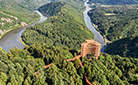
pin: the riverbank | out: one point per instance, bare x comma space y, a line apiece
97, 36
106, 41
17, 26
12, 38
7, 31
23, 42
41, 19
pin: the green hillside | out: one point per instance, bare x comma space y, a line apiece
60, 37
12, 15
17, 67
115, 2
29, 4
10, 19
15, 9
16, 12
65, 29
116, 22
126, 47
51, 9
119, 24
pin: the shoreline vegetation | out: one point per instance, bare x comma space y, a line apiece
14, 15
25, 45
114, 2
65, 28
117, 23
16, 27
5, 32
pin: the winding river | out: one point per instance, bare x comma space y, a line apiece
12, 39
97, 36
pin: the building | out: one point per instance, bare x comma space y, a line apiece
91, 47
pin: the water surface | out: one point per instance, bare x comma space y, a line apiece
12, 39
97, 36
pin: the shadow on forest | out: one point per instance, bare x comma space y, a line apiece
127, 47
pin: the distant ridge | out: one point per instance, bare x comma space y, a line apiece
115, 2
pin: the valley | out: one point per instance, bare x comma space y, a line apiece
13, 16
55, 46
66, 28
14, 36
118, 24
114, 2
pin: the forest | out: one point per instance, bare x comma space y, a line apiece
66, 28
115, 22
59, 38
18, 67
51, 9
126, 47
119, 24
115, 2
107, 70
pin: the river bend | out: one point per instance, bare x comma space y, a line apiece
12, 39
97, 36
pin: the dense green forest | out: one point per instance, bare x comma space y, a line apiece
65, 29
51, 9
126, 47
116, 22
59, 38
115, 2
10, 20
17, 67
13, 8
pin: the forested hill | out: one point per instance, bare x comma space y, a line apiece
18, 67
116, 22
119, 24
17, 13
53, 42
65, 28
51, 9
115, 2
126, 47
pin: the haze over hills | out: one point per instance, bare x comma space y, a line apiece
115, 2
29, 4
64, 27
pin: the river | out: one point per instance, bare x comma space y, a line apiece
97, 36
12, 39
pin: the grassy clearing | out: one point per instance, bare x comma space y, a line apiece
109, 14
